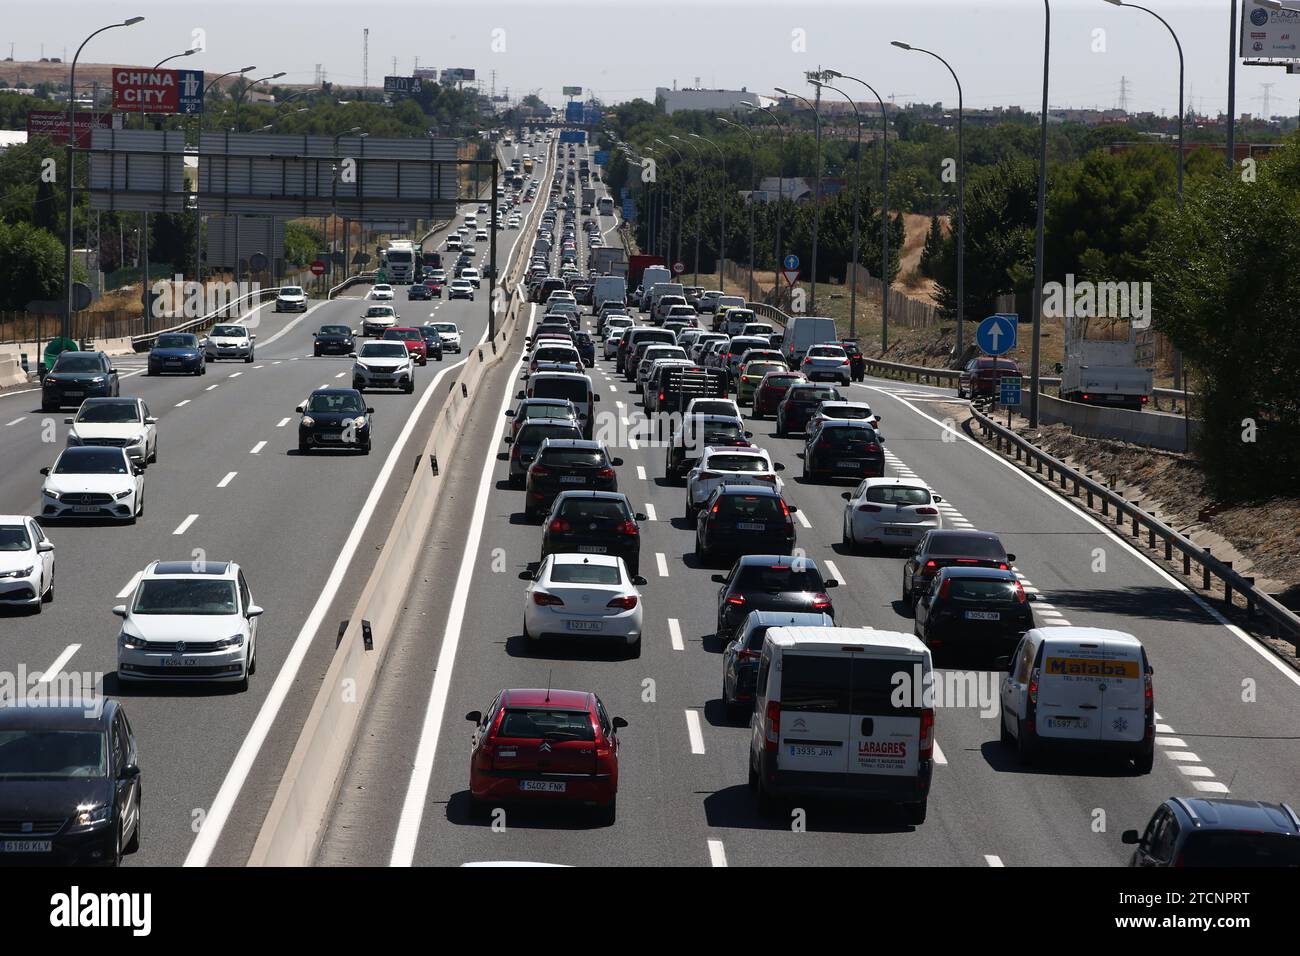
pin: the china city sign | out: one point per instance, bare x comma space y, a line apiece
138, 90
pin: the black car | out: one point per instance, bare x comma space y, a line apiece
849, 449
525, 442
176, 353
564, 464
418, 291
79, 375
973, 610
696, 433
744, 519
432, 342
741, 656
594, 522
941, 549
1218, 832
770, 582
334, 340
334, 418
857, 361
586, 348
800, 404
69, 784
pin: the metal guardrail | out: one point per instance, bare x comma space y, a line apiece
1282, 621
142, 342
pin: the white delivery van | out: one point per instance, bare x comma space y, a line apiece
608, 289
1084, 688
661, 289
842, 712
803, 332
649, 279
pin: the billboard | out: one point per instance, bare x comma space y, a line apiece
1268, 34
573, 113
573, 91
572, 136
140, 170
457, 74
137, 90
54, 124
402, 84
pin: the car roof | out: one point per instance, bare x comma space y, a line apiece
963, 533
983, 574
593, 496
61, 716
223, 569
864, 637
753, 450
573, 557
335, 390
741, 489
544, 697
1071, 632
563, 375
1217, 813
583, 444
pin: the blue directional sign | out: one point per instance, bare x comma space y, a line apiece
1009, 390
791, 261
573, 112
573, 136
996, 335
629, 209
601, 157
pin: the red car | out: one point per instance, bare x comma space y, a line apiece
414, 342
544, 746
434, 287
980, 376
772, 389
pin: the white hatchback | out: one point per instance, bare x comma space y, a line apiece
889, 512
26, 563
93, 482
584, 595
732, 466
381, 293
116, 423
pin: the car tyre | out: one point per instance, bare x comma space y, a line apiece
1025, 750
846, 538
608, 814
634, 649
1005, 736
133, 845
1145, 761
914, 813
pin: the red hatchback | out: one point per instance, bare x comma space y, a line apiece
549, 746
414, 342
772, 389
981, 375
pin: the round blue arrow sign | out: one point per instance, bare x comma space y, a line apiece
791, 261
996, 335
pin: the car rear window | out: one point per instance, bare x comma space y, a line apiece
736, 463
841, 685
964, 589
747, 507
537, 724
575, 390
557, 410
533, 435
812, 395
584, 574
599, 510
573, 458
967, 546
780, 578
713, 408
858, 438
783, 380
897, 495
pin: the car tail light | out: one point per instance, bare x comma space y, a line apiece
628, 527
945, 589
927, 511
1149, 695
1144, 399
872, 448
661, 396
1021, 597
870, 509
627, 602
927, 732
542, 599
1033, 686
773, 725
745, 654
605, 473
1003, 566
736, 600
539, 471
561, 525
821, 600
785, 510
931, 564
706, 475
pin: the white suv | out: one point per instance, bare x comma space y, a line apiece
189, 620
383, 364
449, 332
291, 298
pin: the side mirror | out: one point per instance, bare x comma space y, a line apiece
619, 723
719, 579
799, 454
1130, 837
1010, 558
521, 395
151, 420
616, 462
1002, 664
830, 583
937, 498
67, 421
300, 409
355, 332
640, 516
352, 355
778, 466
509, 413
120, 610
45, 471
137, 469
474, 717
369, 410
526, 576
508, 440
595, 398
502, 456
846, 495
792, 509
129, 772
252, 337
254, 611
639, 581
45, 547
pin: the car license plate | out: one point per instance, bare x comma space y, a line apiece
983, 616
573, 480
899, 531
27, 846
331, 436
1068, 723
73, 394
85, 509
751, 526
803, 750
592, 549
846, 464
178, 662
543, 786
583, 625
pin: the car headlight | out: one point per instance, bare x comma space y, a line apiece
358, 422
308, 421
138, 439
124, 494
20, 573
89, 817
52, 495
234, 640
97, 380
131, 642
360, 368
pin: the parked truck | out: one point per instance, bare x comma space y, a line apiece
1103, 372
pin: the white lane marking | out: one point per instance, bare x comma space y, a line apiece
257, 448
675, 634
661, 561
834, 571
130, 585
211, 387
280, 362
802, 520
1196, 770
613, 387
1170, 742
992, 860
694, 732
259, 366
640, 472
1210, 786
1164, 729
717, 854
57, 667
1183, 755
226, 480
650, 512
184, 525
236, 374
16, 421
341, 374
183, 404
282, 422
939, 757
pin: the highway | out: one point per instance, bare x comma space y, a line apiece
229, 484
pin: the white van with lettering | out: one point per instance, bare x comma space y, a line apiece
843, 712
1079, 688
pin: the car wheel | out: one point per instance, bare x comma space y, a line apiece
139, 506
780, 429
608, 814
1024, 748
914, 813
1145, 761
846, 538
366, 449
1005, 735
249, 360
907, 592
133, 845
117, 847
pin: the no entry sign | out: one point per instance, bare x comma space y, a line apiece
137, 90
318, 268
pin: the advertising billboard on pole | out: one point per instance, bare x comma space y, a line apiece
138, 90
1268, 34
54, 124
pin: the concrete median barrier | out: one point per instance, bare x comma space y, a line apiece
1152, 429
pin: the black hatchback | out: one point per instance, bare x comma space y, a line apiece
744, 519
334, 418
1218, 832
69, 784
334, 340
800, 404
973, 610
849, 449
941, 549
566, 464
770, 582
594, 522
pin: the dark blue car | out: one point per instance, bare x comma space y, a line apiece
176, 352
1217, 832
586, 348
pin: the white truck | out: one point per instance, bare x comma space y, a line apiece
401, 260
607, 289
1101, 372
652, 276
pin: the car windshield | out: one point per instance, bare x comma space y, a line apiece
750, 463
291, 290
177, 342
91, 461
108, 413
378, 312
721, 432
335, 330
14, 537
1230, 848
537, 724
780, 578
897, 495
383, 350
77, 363
230, 331
335, 402
750, 507
584, 574
966, 589
966, 546
30, 753
185, 596
573, 458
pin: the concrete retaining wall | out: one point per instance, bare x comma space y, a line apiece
1153, 429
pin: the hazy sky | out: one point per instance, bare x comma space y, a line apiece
622, 49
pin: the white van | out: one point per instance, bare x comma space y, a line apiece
1084, 688
803, 332
661, 289
841, 712
608, 289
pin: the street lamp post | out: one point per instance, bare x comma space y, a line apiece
334, 197
722, 234
198, 215
753, 182
817, 190
857, 202
1034, 382
239, 99
780, 194
961, 201
699, 207
72, 130
678, 200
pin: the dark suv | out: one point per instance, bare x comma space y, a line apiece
1207, 831
566, 464
800, 404
76, 376
847, 449
594, 522
744, 519
524, 444
941, 549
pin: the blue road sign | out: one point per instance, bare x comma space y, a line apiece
996, 335
573, 112
573, 136
601, 157
791, 262
190, 91
1009, 390
629, 209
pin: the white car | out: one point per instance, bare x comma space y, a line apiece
732, 466
611, 344
291, 298
93, 482
189, 620
460, 289
713, 406
378, 319
384, 364
584, 595
513, 222
26, 563
889, 512
228, 341
449, 332
381, 293
471, 276
826, 363
842, 412
481, 235
116, 423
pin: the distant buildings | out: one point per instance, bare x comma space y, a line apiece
675, 100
